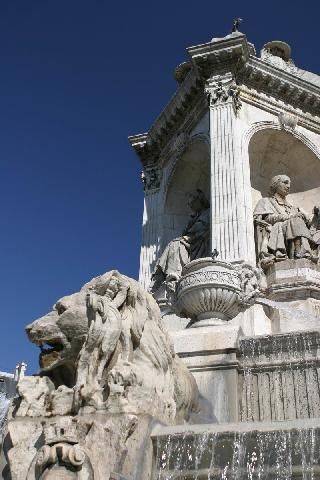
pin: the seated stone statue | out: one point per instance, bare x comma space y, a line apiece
284, 228
193, 243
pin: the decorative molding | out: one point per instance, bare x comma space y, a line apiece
149, 146
256, 127
280, 84
276, 106
221, 54
288, 121
278, 62
233, 56
211, 277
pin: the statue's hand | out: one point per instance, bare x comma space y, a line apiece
303, 215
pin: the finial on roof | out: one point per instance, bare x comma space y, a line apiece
236, 25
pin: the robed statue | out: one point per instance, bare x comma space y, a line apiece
282, 229
193, 243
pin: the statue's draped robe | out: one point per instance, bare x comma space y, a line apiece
193, 244
273, 211
315, 229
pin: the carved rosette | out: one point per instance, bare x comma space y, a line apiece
222, 91
151, 178
212, 292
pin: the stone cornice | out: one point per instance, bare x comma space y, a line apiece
231, 54
266, 78
276, 106
225, 54
220, 54
149, 145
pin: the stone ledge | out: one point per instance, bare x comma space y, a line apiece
204, 340
238, 427
293, 280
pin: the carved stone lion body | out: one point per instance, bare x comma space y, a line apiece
105, 349
108, 371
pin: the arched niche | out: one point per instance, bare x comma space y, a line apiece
273, 152
191, 171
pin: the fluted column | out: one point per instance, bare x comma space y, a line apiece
150, 235
227, 209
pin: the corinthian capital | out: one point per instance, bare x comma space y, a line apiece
221, 90
151, 178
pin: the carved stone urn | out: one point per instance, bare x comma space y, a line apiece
210, 292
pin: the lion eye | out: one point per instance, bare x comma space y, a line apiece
60, 309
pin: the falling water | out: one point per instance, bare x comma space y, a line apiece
280, 377
279, 437
253, 455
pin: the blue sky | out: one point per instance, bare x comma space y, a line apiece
78, 77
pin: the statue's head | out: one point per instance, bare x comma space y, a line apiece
197, 201
280, 184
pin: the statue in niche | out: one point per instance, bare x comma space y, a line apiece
193, 243
283, 230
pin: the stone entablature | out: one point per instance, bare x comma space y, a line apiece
234, 54
282, 85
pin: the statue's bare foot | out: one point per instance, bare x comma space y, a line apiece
302, 254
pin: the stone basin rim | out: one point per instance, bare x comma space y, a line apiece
160, 430
207, 261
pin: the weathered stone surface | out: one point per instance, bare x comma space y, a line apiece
279, 377
211, 355
97, 446
109, 370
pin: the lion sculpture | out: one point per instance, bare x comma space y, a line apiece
104, 349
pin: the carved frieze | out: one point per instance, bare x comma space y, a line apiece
211, 277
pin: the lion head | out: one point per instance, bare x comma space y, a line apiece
60, 335
107, 348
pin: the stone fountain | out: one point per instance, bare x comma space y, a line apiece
217, 375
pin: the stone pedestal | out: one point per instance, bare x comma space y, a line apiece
211, 355
295, 286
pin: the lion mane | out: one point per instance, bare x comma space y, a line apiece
105, 348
